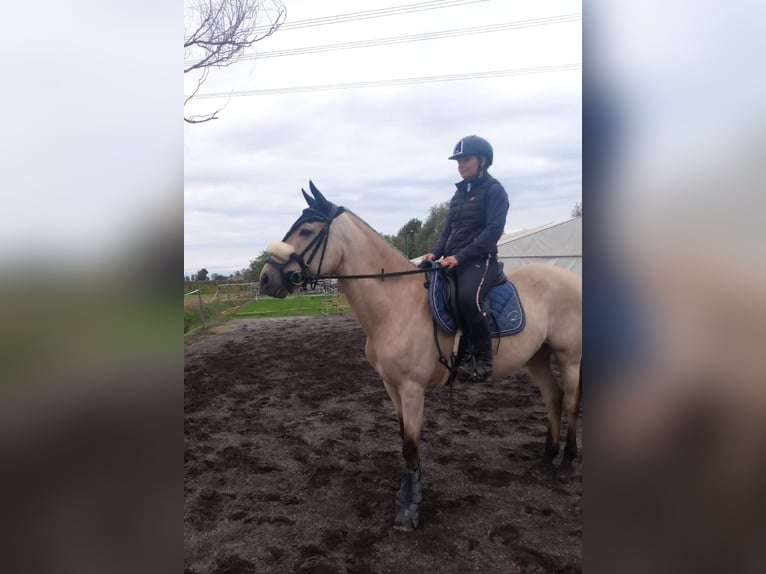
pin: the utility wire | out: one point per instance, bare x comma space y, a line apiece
394, 82
377, 13
416, 37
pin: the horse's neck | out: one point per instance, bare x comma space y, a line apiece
376, 303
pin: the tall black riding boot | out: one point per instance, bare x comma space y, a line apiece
479, 367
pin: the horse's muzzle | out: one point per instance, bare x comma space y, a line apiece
271, 282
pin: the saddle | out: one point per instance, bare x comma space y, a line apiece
502, 307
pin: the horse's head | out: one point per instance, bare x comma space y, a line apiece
305, 250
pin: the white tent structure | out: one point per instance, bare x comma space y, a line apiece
556, 243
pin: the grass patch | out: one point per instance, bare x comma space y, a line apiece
292, 306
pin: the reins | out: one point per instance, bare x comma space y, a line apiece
320, 242
449, 364
382, 275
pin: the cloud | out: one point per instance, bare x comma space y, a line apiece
380, 152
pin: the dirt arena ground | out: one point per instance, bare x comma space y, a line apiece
292, 463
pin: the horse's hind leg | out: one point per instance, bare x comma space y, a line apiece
571, 373
539, 367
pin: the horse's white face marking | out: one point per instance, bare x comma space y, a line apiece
281, 250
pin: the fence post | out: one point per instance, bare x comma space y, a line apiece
201, 307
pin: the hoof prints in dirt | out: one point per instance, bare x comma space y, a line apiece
293, 461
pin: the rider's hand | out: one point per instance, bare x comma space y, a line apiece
429, 257
450, 261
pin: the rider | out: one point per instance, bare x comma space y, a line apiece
468, 243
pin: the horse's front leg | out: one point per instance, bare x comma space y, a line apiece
410, 491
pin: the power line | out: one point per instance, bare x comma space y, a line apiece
394, 82
416, 37
377, 13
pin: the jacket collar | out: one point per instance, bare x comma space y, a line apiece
475, 182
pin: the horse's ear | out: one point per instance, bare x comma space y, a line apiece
318, 194
309, 200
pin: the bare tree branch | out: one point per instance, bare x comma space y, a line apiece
200, 81
202, 119
222, 31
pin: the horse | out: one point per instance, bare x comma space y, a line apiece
388, 299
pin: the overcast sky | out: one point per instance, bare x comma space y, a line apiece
382, 151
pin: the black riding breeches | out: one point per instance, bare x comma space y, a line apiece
474, 279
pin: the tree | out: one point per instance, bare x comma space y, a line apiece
202, 274
405, 238
432, 228
218, 32
577, 210
253, 273
416, 238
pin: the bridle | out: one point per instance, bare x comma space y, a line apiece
303, 277
299, 278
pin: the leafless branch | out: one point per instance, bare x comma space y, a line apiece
222, 31
200, 81
202, 119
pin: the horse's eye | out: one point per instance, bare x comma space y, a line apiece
305, 232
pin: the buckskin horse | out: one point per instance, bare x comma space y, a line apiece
387, 296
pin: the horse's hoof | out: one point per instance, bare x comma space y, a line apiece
407, 518
566, 466
566, 470
405, 526
546, 464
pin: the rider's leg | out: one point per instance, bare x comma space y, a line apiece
474, 280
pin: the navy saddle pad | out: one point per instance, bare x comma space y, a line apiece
506, 313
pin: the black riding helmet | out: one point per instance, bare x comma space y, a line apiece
473, 145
